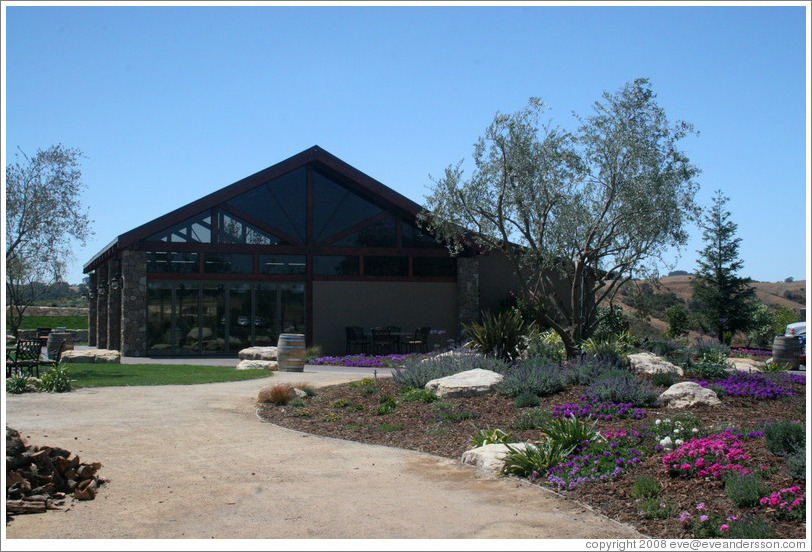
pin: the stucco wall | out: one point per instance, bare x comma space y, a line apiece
367, 304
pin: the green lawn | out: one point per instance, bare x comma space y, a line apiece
109, 375
69, 322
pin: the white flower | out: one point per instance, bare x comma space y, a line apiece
667, 443
678, 442
658, 421
676, 431
695, 430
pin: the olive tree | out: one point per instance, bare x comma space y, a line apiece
43, 214
575, 213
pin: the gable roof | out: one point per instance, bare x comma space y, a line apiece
350, 177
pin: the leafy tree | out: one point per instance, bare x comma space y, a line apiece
724, 300
575, 213
43, 214
789, 280
678, 323
783, 316
762, 326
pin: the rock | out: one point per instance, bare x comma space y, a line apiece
649, 363
744, 365
460, 352
299, 393
489, 458
688, 393
465, 384
101, 356
258, 353
258, 365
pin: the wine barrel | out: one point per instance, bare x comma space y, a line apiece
787, 351
291, 352
57, 339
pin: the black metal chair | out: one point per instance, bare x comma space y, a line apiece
419, 341
26, 358
356, 340
381, 340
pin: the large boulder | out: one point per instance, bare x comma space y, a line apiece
688, 393
649, 363
84, 356
489, 458
258, 353
465, 384
744, 365
258, 365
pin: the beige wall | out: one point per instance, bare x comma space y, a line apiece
367, 304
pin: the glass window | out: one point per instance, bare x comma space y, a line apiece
228, 263
231, 229
386, 266
335, 208
187, 326
194, 230
159, 318
172, 261
213, 318
292, 314
434, 267
239, 316
282, 264
267, 302
336, 265
280, 203
414, 237
379, 234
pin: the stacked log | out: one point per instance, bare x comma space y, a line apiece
41, 478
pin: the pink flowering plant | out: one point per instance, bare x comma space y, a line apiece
788, 503
708, 457
706, 524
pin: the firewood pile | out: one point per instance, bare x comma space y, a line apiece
41, 478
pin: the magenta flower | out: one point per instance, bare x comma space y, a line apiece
724, 528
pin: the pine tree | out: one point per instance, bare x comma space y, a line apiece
725, 301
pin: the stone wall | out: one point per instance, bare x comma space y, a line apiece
92, 309
101, 310
113, 307
134, 303
467, 291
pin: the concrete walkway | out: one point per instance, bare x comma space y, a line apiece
195, 462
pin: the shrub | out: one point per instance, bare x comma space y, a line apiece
592, 407
664, 379
303, 413
621, 386
55, 380
585, 370
366, 382
417, 372
710, 525
20, 384
678, 323
331, 417
545, 345
784, 437
313, 352
279, 394
745, 490
390, 427
535, 459
539, 377
749, 527
611, 349
450, 414
789, 503
570, 431
710, 351
533, 419
796, 463
774, 367
422, 395
645, 487
654, 508
662, 347
489, 436
309, 390
296, 402
713, 456
499, 335
707, 370
340, 403
526, 399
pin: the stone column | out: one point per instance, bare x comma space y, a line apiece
467, 291
101, 312
134, 303
113, 307
92, 308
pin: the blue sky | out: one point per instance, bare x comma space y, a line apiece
172, 103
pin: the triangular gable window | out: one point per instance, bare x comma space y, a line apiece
413, 237
382, 233
193, 230
231, 229
336, 209
280, 203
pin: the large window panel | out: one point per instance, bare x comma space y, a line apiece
159, 318
413, 237
292, 315
434, 267
386, 266
382, 233
336, 209
282, 264
240, 318
194, 230
187, 324
231, 229
172, 261
213, 318
336, 265
268, 302
228, 263
281, 203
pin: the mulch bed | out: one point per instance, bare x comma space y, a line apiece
346, 412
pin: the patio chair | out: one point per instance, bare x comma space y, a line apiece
419, 341
382, 340
356, 340
27, 357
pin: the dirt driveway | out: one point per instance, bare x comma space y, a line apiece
195, 462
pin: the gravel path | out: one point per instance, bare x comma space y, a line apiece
195, 462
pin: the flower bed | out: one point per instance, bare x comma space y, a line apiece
364, 361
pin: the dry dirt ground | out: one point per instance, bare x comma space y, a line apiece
195, 462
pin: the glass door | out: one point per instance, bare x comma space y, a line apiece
213, 319
239, 317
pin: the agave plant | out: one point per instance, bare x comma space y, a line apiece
488, 436
499, 335
570, 431
536, 458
